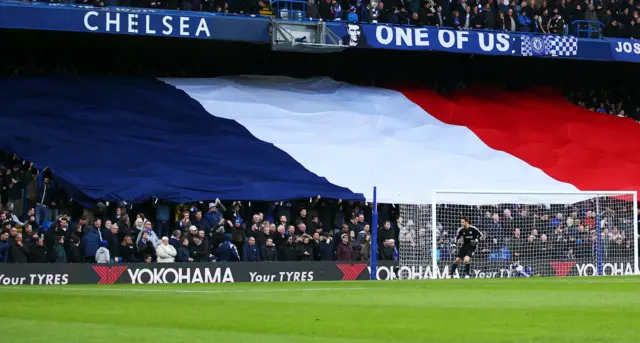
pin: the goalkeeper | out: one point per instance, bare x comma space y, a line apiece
467, 238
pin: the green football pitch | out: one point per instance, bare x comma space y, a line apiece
605, 309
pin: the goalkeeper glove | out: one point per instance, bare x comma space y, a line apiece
474, 242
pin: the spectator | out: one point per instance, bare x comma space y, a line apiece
388, 252
59, 254
250, 252
128, 250
214, 215
227, 251
4, 247
326, 247
556, 24
113, 245
365, 251
510, 21
102, 254
46, 205
185, 222
145, 247
38, 252
166, 252
386, 233
304, 249
151, 235
286, 251
15, 182
73, 253
175, 239
313, 11
199, 251
18, 251
90, 245
268, 252
344, 251
183, 253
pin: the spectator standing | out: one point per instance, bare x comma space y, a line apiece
327, 248
38, 252
102, 254
128, 250
113, 244
344, 252
388, 252
90, 245
45, 207
165, 251
151, 235
250, 252
59, 254
268, 252
4, 247
15, 182
18, 251
183, 253
286, 252
175, 239
145, 247
73, 253
227, 251
304, 250
199, 250
214, 215
365, 251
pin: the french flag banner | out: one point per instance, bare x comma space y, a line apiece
277, 138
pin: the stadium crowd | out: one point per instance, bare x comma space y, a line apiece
621, 102
33, 231
617, 18
315, 229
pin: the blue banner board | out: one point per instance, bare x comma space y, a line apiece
202, 25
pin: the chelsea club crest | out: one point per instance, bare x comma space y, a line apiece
537, 45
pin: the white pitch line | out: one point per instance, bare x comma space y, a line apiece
96, 290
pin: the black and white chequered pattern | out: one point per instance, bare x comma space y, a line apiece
553, 45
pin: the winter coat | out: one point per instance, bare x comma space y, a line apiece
199, 252
304, 252
102, 255
184, 254
166, 253
128, 253
60, 256
250, 253
269, 253
227, 252
112, 244
326, 250
145, 248
155, 241
344, 252
39, 254
4, 251
90, 243
18, 254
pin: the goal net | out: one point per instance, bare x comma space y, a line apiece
525, 234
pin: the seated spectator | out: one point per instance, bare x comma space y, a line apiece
166, 252
102, 254
250, 252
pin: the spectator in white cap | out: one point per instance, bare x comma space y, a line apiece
193, 232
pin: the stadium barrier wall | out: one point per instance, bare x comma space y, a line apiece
69, 274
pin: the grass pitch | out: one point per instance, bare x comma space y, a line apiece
605, 309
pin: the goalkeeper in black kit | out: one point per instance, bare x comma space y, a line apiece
467, 240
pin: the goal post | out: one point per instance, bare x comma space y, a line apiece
526, 233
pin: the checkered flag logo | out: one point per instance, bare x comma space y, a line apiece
549, 45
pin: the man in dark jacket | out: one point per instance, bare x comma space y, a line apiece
46, 201
286, 252
18, 251
38, 253
90, 244
113, 245
326, 248
250, 252
59, 254
199, 251
386, 233
4, 247
184, 254
344, 251
268, 252
227, 251
388, 251
175, 239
